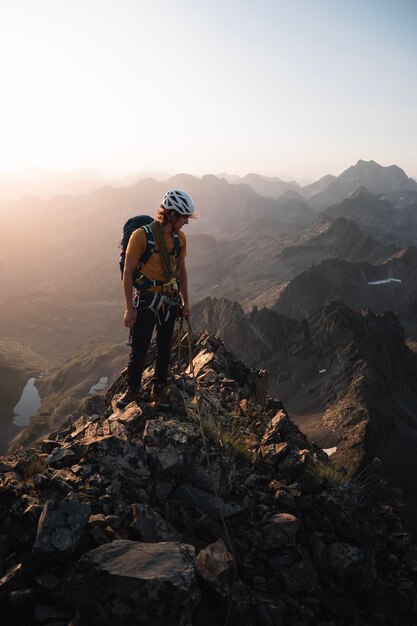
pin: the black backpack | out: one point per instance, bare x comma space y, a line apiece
132, 224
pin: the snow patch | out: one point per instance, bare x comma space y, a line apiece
384, 281
102, 384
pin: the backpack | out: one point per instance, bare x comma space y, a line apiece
132, 224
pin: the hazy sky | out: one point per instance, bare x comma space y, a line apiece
279, 87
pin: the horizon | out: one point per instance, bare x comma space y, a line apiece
109, 177
294, 91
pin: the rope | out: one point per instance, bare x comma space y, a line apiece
215, 490
158, 233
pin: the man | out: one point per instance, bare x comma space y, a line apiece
159, 284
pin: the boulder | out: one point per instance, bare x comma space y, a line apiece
280, 530
127, 582
276, 428
206, 502
131, 418
218, 478
150, 526
117, 455
272, 453
215, 565
165, 445
60, 527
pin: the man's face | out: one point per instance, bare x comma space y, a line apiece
180, 221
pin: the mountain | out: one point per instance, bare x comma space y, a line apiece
272, 187
389, 286
269, 186
46, 183
377, 217
221, 511
376, 178
318, 186
404, 199
347, 379
341, 239
295, 211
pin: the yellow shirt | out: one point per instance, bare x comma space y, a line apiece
154, 268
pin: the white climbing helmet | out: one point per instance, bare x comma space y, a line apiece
179, 201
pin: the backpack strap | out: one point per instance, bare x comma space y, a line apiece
150, 246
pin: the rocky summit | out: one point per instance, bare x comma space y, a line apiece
219, 512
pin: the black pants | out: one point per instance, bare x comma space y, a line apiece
141, 338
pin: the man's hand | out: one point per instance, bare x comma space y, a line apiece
130, 318
186, 311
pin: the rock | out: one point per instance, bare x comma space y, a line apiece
219, 478
117, 455
276, 428
21, 597
272, 453
215, 565
206, 502
60, 457
60, 527
201, 362
11, 580
301, 577
280, 530
47, 613
135, 583
165, 445
150, 526
131, 418
350, 565
48, 581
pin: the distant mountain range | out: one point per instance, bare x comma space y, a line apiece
46, 183
70, 288
333, 189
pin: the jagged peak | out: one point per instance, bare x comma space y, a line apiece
361, 193
343, 225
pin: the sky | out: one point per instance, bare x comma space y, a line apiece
296, 89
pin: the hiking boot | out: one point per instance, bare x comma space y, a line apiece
128, 397
159, 396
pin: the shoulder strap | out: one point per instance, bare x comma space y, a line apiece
150, 245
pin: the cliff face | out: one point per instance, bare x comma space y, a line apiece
221, 507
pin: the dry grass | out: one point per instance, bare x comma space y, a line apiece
30, 469
327, 473
234, 437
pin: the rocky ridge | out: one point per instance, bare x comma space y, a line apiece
347, 378
130, 517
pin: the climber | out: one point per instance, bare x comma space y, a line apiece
154, 266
